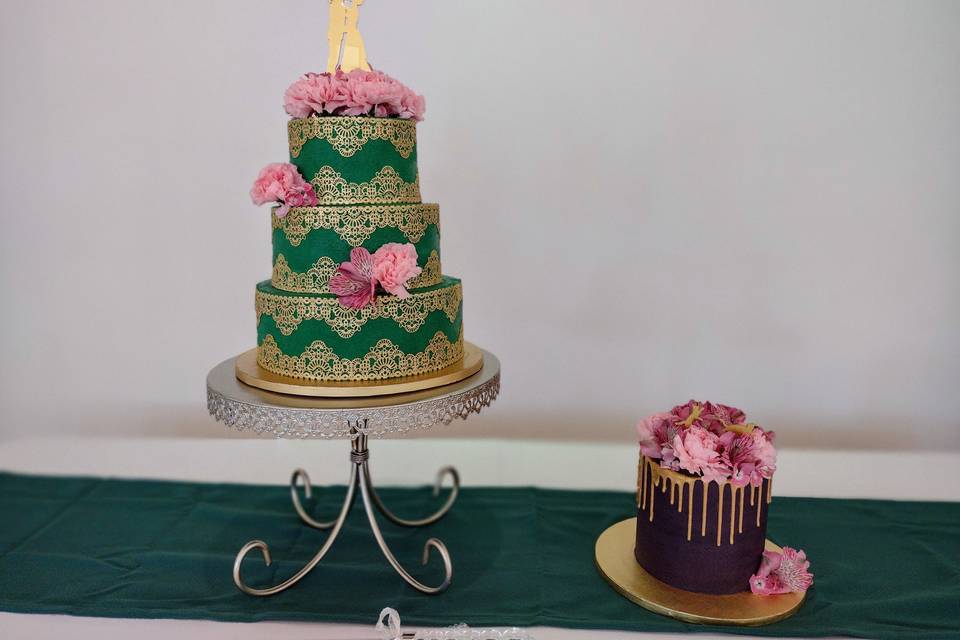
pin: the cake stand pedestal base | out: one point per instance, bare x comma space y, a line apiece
249, 408
619, 567
359, 477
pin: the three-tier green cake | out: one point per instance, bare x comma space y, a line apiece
363, 170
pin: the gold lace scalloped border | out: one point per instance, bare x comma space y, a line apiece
317, 278
386, 187
409, 313
348, 135
355, 224
384, 360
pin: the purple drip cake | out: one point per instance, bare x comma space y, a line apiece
703, 492
706, 537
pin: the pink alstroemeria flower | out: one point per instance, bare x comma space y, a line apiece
353, 283
653, 432
785, 572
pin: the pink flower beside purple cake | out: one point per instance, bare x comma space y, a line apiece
785, 572
355, 93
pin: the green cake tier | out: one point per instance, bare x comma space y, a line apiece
314, 337
309, 243
357, 160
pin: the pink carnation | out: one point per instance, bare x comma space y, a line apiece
786, 572
696, 450
394, 265
356, 93
412, 106
281, 182
307, 95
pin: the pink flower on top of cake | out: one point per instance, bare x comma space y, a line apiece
697, 453
764, 452
282, 183
412, 105
710, 440
354, 283
355, 93
656, 432
308, 95
738, 459
715, 417
372, 93
394, 265
786, 572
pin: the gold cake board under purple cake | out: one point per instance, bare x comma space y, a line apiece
251, 373
619, 567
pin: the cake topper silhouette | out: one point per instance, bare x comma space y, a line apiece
346, 44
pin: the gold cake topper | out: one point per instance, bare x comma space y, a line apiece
346, 44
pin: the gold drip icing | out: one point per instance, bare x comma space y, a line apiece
740, 520
756, 491
703, 510
410, 313
348, 135
720, 514
356, 224
386, 187
317, 278
384, 360
676, 483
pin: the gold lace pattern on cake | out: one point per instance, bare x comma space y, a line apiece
651, 475
356, 224
410, 313
430, 273
384, 360
314, 280
349, 135
317, 278
386, 187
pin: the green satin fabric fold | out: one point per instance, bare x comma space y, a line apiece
522, 556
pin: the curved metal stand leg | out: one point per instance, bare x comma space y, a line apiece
432, 543
308, 492
265, 550
389, 515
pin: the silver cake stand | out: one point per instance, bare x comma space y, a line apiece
246, 408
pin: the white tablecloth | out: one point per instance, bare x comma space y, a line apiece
846, 474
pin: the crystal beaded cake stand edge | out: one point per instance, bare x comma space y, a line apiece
357, 419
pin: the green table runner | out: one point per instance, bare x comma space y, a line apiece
522, 556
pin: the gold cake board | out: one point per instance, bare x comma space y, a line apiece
619, 567
251, 373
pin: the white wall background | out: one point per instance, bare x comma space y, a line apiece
752, 202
